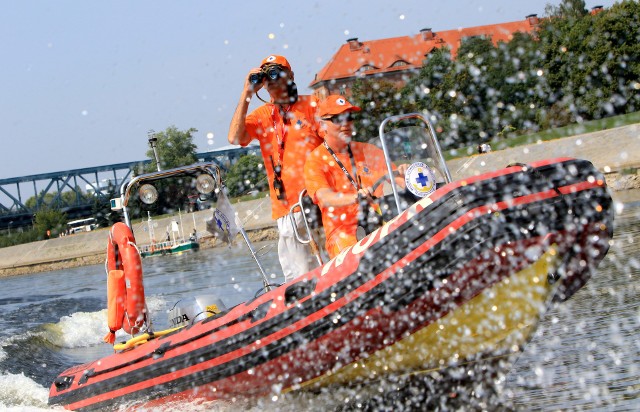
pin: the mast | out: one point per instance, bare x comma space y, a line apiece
152, 236
181, 232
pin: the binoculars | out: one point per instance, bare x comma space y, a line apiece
278, 184
273, 73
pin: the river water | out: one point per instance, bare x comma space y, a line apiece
584, 356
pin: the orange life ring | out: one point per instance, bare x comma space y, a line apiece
126, 306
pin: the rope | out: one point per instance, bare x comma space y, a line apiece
135, 246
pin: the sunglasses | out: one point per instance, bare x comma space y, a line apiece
340, 118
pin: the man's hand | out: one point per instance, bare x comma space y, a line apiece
237, 128
254, 87
402, 170
366, 193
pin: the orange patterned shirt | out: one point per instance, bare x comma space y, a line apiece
298, 137
321, 171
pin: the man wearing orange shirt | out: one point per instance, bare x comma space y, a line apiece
339, 171
287, 129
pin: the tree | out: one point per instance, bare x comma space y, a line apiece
567, 9
378, 100
245, 175
458, 92
469, 90
49, 220
591, 62
576, 66
517, 87
58, 200
101, 208
175, 148
608, 79
425, 91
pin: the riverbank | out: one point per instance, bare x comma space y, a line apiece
89, 248
615, 152
96, 258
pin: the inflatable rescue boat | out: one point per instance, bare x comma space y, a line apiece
462, 273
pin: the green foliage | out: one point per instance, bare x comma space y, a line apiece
49, 220
18, 237
245, 175
175, 148
101, 208
469, 89
431, 77
488, 90
576, 67
378, 99
57, 200
568, 9
592, 61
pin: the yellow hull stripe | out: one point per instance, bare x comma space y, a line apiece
499, 319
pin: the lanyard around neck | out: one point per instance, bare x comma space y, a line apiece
344, 169
280, 129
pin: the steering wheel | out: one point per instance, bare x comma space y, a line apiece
382, 179
387, 202
370, 218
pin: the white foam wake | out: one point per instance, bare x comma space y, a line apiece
78, 330
20, 393
83, 329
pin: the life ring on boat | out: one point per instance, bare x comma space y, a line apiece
126, 307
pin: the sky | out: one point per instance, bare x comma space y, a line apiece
82, 82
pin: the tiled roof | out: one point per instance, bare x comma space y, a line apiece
402, 53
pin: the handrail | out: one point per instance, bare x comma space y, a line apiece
310, 240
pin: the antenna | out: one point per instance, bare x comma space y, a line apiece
153, 142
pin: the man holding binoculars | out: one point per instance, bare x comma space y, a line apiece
287, 129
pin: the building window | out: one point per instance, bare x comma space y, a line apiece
366, 68
399, 63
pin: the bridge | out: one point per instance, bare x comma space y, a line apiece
74, 192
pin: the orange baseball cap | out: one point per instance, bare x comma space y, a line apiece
275, 59
335, 104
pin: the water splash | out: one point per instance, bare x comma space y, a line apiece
20, 393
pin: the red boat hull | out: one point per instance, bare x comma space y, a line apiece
392, 303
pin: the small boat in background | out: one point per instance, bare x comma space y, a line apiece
175, 241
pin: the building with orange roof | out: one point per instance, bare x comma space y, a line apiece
396, 59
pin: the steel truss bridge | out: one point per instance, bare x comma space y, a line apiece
67, 190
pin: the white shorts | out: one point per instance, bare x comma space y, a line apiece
296, 259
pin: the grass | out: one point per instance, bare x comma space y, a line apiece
551, 134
